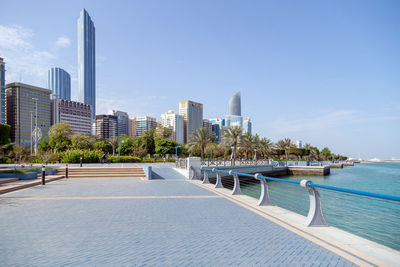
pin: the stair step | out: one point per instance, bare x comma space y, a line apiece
8, 180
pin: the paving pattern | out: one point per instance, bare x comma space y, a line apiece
182, 224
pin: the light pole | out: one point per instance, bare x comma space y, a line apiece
233, 157
119, 148
255, 155
36, 123
211, 154
176, 152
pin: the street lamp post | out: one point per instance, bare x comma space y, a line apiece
211, 154
255, 155
36, 123
176, 152
119, 148
31, 131
233, 157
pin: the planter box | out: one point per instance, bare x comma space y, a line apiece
21, 176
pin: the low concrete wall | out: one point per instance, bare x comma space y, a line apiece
147, 172
309, 170
337, 165
243, 169
348, 164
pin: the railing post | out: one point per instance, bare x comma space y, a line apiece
264, 197
236, 188
315, 216
205, 180
218, 182
66, 171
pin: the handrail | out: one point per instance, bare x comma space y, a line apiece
333, 188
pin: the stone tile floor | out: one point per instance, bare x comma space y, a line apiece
68, 228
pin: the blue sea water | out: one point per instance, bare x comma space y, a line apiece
374, 219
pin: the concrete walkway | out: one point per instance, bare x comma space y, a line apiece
93, 222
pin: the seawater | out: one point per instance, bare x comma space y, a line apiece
374, 219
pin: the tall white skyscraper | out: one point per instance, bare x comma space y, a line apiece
87, 61
176, 123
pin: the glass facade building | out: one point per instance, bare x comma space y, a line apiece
106, 126
21, 102
86, 61
247, 125
2, 91
145, 123
59, 82
123, 121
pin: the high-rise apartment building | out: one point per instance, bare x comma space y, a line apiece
299, 144
87, 61
78, 115
2, 91
59, 82
145, 123
106, 126
208, 125
192, 113
216, 130
21, 102
247, 125
132, 127
176, 123
123, 121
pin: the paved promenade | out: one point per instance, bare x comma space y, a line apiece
128, 221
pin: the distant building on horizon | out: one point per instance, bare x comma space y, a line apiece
218, 127
77, 114
145, 123
132, 127
123, 121
2, 91
176, 123
247, 125
208, 125
299, 144
192, 113
106, 126
234, 116
87, 61
59, 82
21, 102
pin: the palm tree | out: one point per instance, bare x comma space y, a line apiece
247, 145
113, 141
285, 144
265, 147
233, 137
200, 139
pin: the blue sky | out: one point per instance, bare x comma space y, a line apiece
325, 72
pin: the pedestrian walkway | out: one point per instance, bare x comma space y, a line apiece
119, 221
10, 185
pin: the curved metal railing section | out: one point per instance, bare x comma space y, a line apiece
361, 212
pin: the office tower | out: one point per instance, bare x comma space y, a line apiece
78, 115
234, 117
145, 123
86, 61
123, 121
2, 91
208, 125
21, 102
192, 113
106, 126
59, 82
132, 127
219, 121
247, 125
299, 144
176, 123
216, 130
219, 133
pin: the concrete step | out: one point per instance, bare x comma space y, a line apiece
106, 176
8, 180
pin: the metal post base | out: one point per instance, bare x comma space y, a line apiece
205, 180
315, 216
236, 188
264, 197
218, 183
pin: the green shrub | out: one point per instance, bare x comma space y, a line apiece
151, 160
73, 156
124, 159
3, 159
170, 160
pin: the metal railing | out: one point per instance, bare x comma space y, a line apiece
361, 212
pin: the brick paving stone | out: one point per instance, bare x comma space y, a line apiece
144, 232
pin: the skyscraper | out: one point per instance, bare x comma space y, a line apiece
145, 123
234, 117
247, 125
78, 115
192, 113
106, 126
174, 122
123, 121
86, 61
59, 82
2, 91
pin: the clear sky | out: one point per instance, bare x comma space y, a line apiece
324, 72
